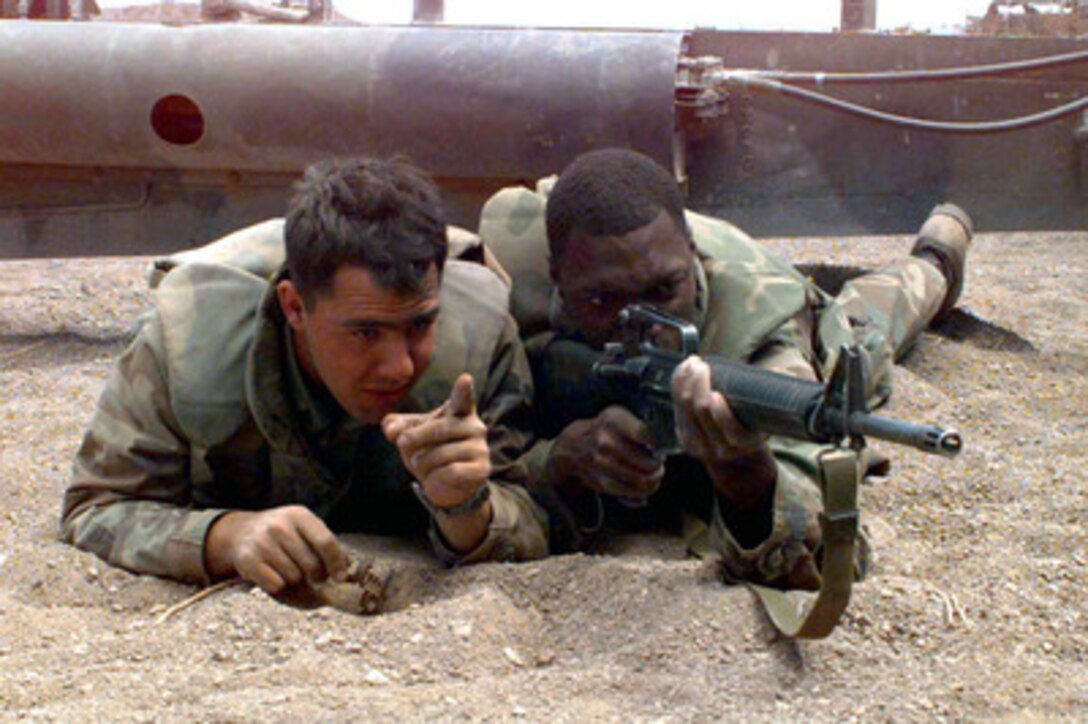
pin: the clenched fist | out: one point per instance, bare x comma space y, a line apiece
611, 453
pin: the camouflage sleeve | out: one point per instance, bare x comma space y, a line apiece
883, 312
789, 350
129, 498
786, 557
518, 525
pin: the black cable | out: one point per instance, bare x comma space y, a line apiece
921, 124
908, 76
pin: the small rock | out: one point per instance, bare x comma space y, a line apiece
376, 678
461, 629
513, 656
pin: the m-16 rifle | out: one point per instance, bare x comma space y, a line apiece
636, 373
575, 381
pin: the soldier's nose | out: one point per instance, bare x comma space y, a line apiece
397, 366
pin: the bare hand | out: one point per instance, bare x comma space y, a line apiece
446, 449
737, 459
613, 453
705, 425
274, 548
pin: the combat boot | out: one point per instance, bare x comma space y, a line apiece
943, 241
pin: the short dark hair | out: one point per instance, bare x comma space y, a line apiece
610, 192
381, 214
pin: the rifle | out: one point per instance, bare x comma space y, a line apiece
636, 373
575, 381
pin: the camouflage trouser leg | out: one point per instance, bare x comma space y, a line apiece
891, 307
883, 313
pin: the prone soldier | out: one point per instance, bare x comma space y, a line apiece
613, 232
366, 383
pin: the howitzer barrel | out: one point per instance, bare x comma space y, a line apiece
465, 103
121, 138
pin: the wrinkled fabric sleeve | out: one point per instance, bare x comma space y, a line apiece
571, 524
788, 556
518, 528
130, 494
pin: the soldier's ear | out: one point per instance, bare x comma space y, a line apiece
291, 303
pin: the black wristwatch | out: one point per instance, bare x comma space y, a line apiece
473, 502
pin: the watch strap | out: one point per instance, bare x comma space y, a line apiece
473, 502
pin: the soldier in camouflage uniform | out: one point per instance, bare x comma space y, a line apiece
367, 384
615, 232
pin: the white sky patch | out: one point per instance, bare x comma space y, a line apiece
805, 15
797, 15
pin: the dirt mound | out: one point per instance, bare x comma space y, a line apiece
974, 608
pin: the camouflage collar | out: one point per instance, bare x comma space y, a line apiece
702, 296
315, 409
287, 406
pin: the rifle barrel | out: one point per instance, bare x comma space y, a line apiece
927, 438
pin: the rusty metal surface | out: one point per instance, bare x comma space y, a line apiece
781, 167
461, 102
247, 107
139, 138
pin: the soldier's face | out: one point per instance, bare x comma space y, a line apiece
367, 344
598, 276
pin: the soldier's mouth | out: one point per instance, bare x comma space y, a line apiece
390, 396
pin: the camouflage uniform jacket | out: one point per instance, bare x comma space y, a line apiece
199, 418
751, 307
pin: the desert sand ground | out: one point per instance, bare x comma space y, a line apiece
975, 608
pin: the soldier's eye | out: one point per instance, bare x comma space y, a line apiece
367, 334
600, 302
664, 291
420, 326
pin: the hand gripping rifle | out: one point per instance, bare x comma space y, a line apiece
637, 372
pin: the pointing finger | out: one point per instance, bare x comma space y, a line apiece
462, 401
